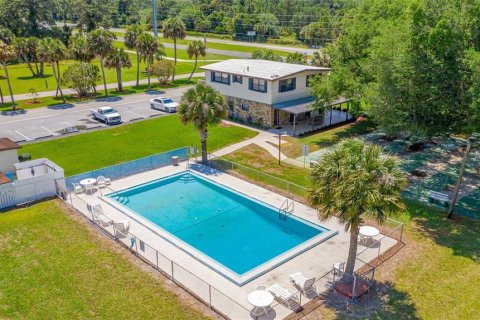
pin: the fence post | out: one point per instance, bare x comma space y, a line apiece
156, 254
173, 278
136, 245
379, 246
210, 296
354, 287
401, 232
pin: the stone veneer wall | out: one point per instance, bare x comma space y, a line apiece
259, 113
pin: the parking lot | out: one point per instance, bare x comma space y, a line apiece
43, 123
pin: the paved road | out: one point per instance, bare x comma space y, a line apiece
238, 43
43, 123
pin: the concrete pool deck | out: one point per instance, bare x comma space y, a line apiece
225, 296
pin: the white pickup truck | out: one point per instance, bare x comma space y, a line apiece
107, 115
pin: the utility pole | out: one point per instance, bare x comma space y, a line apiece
155, 23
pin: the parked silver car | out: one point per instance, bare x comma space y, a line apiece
164, 104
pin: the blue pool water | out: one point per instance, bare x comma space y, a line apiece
232, 229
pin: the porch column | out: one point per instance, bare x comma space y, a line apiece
331, 114
348, 107
294, 123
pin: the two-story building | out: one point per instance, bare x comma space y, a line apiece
268, 93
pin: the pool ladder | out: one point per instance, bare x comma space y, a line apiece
187, 178
288, 207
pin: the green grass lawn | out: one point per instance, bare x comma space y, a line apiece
52, 267
293, 146
182, 53
93, 150
22, 80
51, 101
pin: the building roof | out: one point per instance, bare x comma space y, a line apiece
302, 105
7, 144
263, 69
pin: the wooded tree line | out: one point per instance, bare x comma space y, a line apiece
312, 21
413, 64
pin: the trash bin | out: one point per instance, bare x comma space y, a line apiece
174, 160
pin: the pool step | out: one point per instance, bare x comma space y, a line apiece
187, 178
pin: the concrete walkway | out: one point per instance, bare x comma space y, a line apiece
100, 89
266, 140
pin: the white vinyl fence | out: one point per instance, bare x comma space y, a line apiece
44, 180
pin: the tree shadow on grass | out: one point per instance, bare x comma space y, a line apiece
461, 235
45, 76
383, 301
332, 136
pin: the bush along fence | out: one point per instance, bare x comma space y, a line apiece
129, 168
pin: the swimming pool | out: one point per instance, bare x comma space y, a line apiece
236, 235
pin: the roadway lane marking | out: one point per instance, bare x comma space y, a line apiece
68, 124
33, 118
28, 139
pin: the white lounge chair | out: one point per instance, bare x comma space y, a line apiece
121, 228
284, 296
98, 216
303, 283
102, 182
77, 188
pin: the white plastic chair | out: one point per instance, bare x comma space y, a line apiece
77, 188
338, 268
305, 284
102, 182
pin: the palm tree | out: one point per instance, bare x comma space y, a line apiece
356, 180
117, 60
7, 54
26, 49
100, 43
196, 48
321, 59
131, 36
53, 50
147, 45
203, 106
174, 28
79, 49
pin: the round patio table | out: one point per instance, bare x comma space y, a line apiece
260, 300
88, 184
369, 231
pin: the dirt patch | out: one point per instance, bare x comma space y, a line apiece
106, 242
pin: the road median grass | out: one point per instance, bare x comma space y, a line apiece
71, 98
98, 149
53, 267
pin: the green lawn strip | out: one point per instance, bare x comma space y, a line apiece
98, 149
52, 101
22, 80
255, 157
228, 46
292, 147
52, 267
443, 278
182, 54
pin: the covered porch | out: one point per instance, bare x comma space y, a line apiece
304, 119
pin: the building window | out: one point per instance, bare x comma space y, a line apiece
237, 78
221, 77
309, 77
244, 106
258, 85
287, 85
